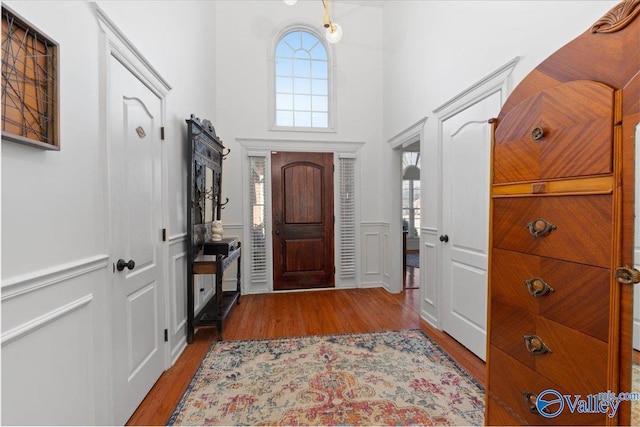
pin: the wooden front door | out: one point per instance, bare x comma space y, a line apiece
302, 200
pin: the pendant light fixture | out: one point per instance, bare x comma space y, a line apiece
333, 32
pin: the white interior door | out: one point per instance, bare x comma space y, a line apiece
136, 226
466, 148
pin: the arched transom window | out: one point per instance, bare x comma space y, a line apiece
301, 81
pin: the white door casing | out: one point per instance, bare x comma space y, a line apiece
411, 135
136, 227
466, 151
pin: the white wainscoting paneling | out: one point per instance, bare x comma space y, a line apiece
177, 295
385, 258
41, 321
23, 284
428, 276
52, 368
372, 266
372, 254
55, 345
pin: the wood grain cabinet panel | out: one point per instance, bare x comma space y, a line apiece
500, 415
580, 295
582, 234
571, 353
510, 325
507, 389
564, 131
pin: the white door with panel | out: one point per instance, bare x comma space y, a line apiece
135, 162
466, 148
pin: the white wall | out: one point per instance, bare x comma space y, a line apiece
179, 39
442, 48
56, 266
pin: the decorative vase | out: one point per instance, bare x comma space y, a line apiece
216, 231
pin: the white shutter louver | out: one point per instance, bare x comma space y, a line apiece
258, 248
347, 219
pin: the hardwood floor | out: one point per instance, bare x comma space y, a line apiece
295, 314
412, 278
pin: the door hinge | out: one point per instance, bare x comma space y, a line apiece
166, 335
334, 269
164, 234
162, 133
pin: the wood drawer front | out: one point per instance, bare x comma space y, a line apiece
498, 415
572, 352
508, 378
580, 299
509, 324
577, 120
577, 361
583, 234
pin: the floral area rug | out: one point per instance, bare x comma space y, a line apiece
381, 378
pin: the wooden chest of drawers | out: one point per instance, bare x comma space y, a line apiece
549, 307
553, 248
560, 315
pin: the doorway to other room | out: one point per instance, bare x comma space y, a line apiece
411, 215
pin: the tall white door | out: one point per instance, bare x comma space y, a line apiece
135, 159
466, 148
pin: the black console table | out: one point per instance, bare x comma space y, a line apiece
218, 307
204, 208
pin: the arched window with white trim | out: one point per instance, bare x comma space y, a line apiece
302, 81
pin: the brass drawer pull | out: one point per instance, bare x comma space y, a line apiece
530, 401
535, 345
627, 275
537, 133
538, 287
540, 227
